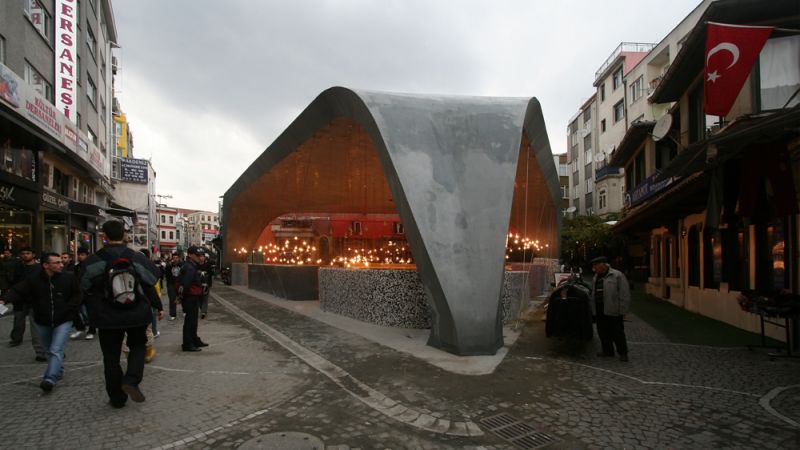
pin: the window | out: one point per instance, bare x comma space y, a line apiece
617, 80
398, 228
693, 243
589, 203
76, 188
60, 182
102, 109
712, 260
178, 234
163, 234
587, 142
356, 227
587, 115
91, 42
2, 50
779, 73
85, 193
602, 199
576, 178
637, 89
619, 111
171, 219
78, 120
39, 18
40, 85
603, 126
163, 219
46, 174
91, 90
587, 171
78, 70
564, 191
172, 235
602, 92
589, 185
92, 136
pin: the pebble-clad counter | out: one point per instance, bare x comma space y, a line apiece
395, 297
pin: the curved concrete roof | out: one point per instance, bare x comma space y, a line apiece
458, 170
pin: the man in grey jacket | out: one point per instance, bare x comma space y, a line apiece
610, 300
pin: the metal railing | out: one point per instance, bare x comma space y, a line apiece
623, 47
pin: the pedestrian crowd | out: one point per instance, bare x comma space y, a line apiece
114, 295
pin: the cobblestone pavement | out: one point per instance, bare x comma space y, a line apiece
270, 370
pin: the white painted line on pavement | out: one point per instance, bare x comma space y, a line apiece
370, 397
215, 372
662, 383
22, 380
766, 401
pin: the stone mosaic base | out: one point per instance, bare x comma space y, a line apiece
396, 297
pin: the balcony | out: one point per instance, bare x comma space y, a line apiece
638, 47
606, 171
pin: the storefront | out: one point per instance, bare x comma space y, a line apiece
18, 205
83, 226
55, 223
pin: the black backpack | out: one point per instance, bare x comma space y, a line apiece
120, 279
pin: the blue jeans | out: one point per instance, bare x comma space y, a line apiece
54, 340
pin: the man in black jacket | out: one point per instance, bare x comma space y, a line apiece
171, 277
114, 319
53, 297
24, 267
192, 284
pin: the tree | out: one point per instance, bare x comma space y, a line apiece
585, 237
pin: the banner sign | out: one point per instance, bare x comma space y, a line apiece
648, 188
25, 101
133, 170
66, 65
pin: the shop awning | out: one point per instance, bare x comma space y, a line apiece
687, 196
120, 211
85, 209
633, 139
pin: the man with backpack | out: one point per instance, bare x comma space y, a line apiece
117, 287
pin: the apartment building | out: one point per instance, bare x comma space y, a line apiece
55, 124
202, 227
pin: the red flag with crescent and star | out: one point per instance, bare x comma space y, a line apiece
731, 51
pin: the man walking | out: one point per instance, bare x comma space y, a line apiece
610, 301
82, 322
23, 268
118, 288
191, 287
53, 298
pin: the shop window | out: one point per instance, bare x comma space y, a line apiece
55, 236
15, 228
19, 161
771, 262
693, 242
657, 256
712, 258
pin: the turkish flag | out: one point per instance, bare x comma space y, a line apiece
731, 51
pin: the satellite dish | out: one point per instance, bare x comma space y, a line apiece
599, 157
662, 127
571, 209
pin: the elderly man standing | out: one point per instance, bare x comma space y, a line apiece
610, 301
53, 297
192, 285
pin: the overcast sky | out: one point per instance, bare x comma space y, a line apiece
207, 85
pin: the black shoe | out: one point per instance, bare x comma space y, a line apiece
46, 386
117, 405
200, 344
202, 316
15, 343
133, 392
605, 355
191, 349
623, 358
41, 358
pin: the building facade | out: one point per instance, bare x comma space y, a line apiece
717, 205
55, 125
202, 227
169, 233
